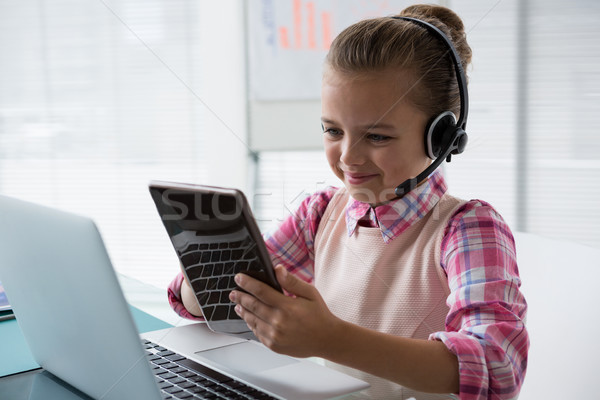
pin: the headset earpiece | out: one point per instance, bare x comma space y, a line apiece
460, 141
438, 132
444, 136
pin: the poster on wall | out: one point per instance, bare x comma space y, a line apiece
289, 39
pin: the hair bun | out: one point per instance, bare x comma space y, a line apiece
447, 21
428, 12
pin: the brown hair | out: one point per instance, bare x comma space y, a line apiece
379, 44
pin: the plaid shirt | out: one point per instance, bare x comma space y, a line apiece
484, 326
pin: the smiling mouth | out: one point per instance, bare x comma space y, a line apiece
357, 179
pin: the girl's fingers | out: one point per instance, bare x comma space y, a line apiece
294, 285
258, 289
250, 305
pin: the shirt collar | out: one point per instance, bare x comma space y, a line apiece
397, 215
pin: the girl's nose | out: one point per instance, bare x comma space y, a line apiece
352, 151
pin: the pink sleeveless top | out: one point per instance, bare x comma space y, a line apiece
398, 288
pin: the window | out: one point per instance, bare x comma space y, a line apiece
99, 98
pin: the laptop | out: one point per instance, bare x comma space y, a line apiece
78, 326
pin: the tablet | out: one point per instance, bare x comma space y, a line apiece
215, 237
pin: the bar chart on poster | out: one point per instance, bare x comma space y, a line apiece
288, 41
287, 44
310, 41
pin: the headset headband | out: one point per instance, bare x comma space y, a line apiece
458, 68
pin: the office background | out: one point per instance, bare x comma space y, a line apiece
98, 97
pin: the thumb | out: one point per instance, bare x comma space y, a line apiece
292, 284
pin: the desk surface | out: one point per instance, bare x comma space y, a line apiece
37, 384
147, 302
16, 356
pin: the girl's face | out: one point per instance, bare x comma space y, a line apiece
373, 136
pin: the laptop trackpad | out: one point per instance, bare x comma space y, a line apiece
247, 357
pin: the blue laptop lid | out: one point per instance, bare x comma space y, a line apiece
68, 302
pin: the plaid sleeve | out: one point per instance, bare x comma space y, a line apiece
292, 243
485, 326
174, 296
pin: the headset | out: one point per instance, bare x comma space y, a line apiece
444, 136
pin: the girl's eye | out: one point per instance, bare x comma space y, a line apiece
377, 138
334, 133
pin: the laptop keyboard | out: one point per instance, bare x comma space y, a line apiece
210, 269
179, 377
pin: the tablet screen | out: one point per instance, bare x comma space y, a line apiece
215, 237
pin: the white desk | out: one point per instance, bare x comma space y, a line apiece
560, 284
150, 299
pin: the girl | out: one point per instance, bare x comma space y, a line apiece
417, 294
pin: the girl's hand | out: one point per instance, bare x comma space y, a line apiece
300, 325
188, 298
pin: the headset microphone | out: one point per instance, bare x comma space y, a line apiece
443, 135
456, 145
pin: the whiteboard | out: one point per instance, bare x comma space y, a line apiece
285, 125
